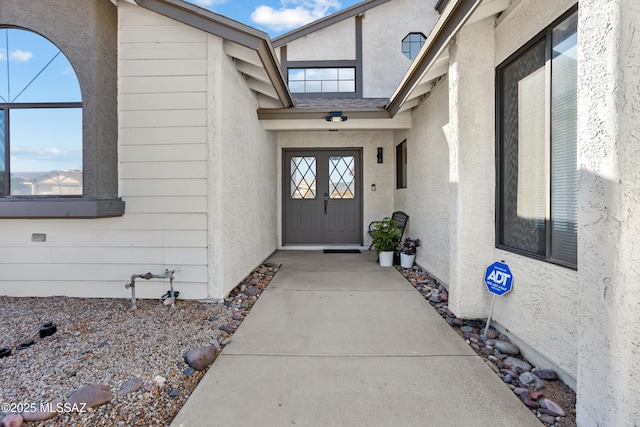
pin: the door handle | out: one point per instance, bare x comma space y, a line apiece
326, 202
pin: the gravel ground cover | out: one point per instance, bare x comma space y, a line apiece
546, 396
138, 355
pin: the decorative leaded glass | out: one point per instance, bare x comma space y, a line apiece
303, 177
342, 181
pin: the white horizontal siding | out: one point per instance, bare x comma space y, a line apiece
163, 101
135, 16
142, 169
101, 255
87, 272
56, 237
163, 187
107, 289
164, 153
162, 144
130, 221
160, 33
163, 67
173, 118
163, 135
163, 84
173, 204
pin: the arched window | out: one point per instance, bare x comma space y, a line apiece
40, 118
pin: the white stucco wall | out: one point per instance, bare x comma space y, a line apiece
383, 29
426, 198
242, 177
523, 21
471, 167
376, 204
609, 213
542, 310
336, 42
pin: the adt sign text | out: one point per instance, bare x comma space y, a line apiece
498, 278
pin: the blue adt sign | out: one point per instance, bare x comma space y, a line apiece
498, 278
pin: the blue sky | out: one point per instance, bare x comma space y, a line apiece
275, 17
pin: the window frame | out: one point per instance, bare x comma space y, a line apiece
296, 65
401, 165
323, 93
100, 197
546, 35
6, 108
402, 43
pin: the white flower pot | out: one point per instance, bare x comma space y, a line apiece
385, 258
406, 261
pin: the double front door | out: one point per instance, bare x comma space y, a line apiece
322, 196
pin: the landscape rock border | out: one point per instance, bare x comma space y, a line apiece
502, 356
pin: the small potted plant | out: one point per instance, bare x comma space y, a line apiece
386, 236
407, 250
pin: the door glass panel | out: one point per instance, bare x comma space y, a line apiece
342, 181
303, 177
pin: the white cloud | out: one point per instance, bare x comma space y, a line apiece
20, 56
36, 152
293, 13
3, 55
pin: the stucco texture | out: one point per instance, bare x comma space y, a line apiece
336, 42
608, 213
383, 29
426, 198
242, 177
471, 168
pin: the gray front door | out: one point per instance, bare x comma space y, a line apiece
322, 192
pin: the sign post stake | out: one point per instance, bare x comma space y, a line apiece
486, 328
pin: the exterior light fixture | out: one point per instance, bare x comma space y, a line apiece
335, 117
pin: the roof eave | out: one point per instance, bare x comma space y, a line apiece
453, 17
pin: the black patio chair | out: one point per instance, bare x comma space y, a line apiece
399, 217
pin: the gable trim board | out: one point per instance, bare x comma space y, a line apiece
231, 31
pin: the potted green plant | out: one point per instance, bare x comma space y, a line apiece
408, 248
386, 236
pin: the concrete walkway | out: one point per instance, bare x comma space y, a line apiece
336, 340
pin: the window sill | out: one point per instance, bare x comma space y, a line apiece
60, 208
